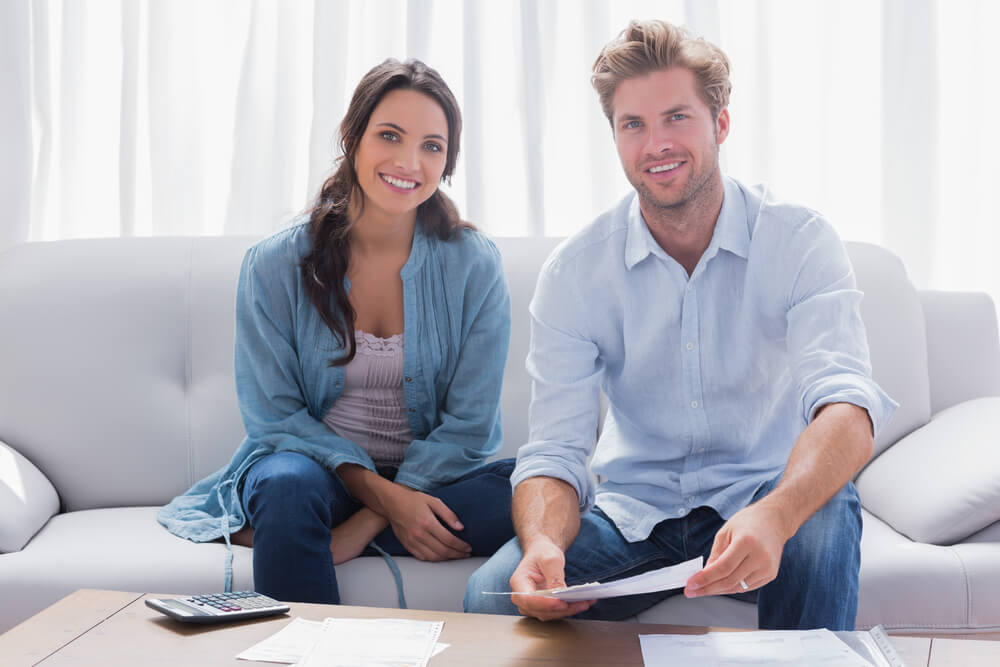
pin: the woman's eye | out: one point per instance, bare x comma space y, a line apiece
433, 147
389, 136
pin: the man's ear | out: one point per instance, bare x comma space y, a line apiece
722, 126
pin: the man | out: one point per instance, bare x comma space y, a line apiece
723, 326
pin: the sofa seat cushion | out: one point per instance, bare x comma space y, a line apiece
126, 549
940, 483
917, 587
119, 549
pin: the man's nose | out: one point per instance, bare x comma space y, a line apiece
659, 140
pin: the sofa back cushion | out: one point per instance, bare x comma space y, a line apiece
117, 364
522, 260
897, 341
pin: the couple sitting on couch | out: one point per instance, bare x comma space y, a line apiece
723, 326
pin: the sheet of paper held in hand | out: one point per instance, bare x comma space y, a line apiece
664, 579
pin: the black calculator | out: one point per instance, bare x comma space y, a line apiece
218, 607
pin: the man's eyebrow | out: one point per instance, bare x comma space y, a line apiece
402, 131
629, 116
679, 107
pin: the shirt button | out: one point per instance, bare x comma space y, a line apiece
690, 346
680, 512
409, 379
694, 404
690, 500
412, 410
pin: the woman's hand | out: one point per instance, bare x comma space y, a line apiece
416, 519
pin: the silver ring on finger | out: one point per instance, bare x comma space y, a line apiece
743, 585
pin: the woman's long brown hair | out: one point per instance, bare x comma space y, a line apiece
324, 268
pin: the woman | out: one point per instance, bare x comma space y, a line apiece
370, 346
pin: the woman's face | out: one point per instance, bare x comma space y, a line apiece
402, 154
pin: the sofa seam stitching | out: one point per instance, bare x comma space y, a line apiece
968, 588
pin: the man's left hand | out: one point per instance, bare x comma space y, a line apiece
747, 548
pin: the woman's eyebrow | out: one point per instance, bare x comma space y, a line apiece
402, 131
394, 126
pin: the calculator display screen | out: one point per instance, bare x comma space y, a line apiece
180, 607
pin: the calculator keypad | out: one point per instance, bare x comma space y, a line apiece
236, 601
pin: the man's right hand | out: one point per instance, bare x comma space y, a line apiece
541, 568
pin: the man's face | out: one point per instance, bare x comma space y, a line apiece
666, 137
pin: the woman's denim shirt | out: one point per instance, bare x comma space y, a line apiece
457, 328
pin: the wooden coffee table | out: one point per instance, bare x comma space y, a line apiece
95, 627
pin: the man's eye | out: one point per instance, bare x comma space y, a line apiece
677, 116
632, 124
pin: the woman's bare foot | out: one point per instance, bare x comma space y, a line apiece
350, 538
243, 537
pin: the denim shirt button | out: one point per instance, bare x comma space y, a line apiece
409, 379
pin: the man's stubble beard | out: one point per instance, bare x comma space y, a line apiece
695, 187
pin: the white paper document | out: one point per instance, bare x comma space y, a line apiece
664, 579
741, 649
287, 645
343, 642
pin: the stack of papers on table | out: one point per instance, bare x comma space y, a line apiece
344, 642
764, 647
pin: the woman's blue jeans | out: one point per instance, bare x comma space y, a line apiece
816, 586
292, 503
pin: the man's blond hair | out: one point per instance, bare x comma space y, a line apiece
649, 46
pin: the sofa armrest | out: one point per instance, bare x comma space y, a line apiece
963, 350
27, 499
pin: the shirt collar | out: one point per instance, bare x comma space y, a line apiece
731, 233
732, 229
417, 251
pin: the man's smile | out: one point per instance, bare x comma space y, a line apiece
670, 166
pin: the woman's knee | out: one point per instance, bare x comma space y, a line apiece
285, 481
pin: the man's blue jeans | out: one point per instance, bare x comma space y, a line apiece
816, 586
292, 503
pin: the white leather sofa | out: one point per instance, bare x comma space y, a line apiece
116, 393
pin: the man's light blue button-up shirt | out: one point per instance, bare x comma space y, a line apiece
711, 378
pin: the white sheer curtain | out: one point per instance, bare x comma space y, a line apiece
139, 117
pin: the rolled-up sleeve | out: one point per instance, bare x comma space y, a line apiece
565, 367
826, 337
